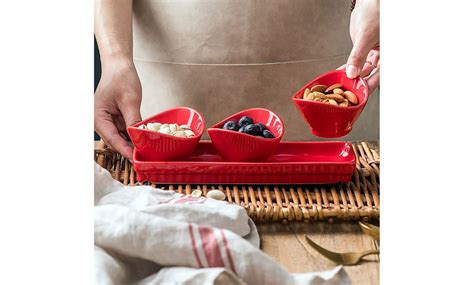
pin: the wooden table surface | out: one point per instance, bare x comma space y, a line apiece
286, 244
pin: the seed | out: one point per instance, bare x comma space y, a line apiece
319, 88
180, 134
332, 87
338, 98
189, 133
306, 93
196, 193
183, 131
338, 91
351, 97
151, 126
165, 130
173, 127
216, 194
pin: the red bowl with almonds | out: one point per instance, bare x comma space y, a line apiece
332, 121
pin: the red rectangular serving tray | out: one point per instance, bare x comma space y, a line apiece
292, 163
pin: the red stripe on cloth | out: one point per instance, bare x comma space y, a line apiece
189, 200
193, 241
210, 247
227, 251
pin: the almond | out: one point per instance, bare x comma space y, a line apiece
338, 91
351, 97
332, 87
345, 103
319, 95
333, 102
338, 98
319, 88
306, 92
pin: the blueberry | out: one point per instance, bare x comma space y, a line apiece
241, 130
252, 129
244, 121
267, 134
231, 125
262, 126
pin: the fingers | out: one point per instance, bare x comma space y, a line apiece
373, 81
357, 58
109, 132
374, 57
367, 69
371, 63
119, 123
341, 67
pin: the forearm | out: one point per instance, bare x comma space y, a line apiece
113, 30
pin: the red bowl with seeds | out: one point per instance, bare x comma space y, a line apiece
236, 146
332, 121
153, 145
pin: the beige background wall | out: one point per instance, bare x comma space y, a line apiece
220, 57
367, 127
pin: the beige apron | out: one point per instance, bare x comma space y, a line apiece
222, 56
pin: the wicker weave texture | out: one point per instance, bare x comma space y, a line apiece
356, 200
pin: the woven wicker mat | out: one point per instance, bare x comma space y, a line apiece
356, 200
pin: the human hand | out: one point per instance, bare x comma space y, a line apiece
117, 104
364, 30
371, 70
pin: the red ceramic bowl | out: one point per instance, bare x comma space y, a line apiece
235, 146
329, 121
157, 146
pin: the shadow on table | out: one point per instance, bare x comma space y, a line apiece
313, 227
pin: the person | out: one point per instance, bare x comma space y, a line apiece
220, 57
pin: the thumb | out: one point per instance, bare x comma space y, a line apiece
131, 115
357, 58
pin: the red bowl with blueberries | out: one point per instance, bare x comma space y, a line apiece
170, 135
332, 121
249, 135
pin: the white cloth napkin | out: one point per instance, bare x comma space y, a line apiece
145, 235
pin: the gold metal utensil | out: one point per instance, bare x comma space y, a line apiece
348, 258
370, 230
